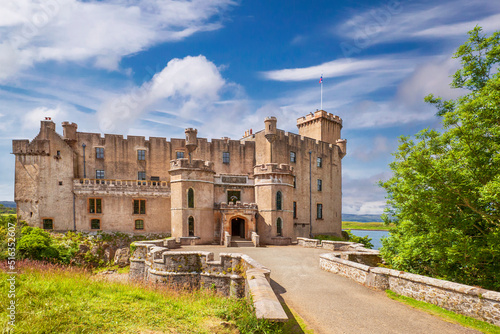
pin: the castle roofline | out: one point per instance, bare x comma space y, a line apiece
319, 114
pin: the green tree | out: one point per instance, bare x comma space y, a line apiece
445, 190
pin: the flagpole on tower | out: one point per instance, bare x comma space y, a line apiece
321, 82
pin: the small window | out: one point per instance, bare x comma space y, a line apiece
139, 206
293, 157
279, 227
191, 226
320, 185
190, 198
319, 162
179, 155
295, 182
99, 152
278, 201
141, 175
139, 224
141, 154
225, 157
60, 183
233, 196
319, 211
58, 153
95, 224
48, 224
294, 209
99, 174
155, 178
95, 205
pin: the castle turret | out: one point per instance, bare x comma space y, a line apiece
270, 128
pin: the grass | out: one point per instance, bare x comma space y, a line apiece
453, 317
376, 226
52, 299
295, 324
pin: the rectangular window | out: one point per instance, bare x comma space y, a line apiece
320, 185
95, 205
293, 157
139, 224
319, 211
48, 224
179, 155
95, 224
295, 182
99, 174
225, 157
139, 206
155, 178
99, 152
141, 154
141, 175
319, 162
294, 209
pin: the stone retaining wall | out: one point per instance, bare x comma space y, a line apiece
463, 299
234, 275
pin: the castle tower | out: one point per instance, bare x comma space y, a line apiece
321, 126
192, 199
191, 140
274, 197
270, 133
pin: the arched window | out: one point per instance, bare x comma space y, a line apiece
190, 198
278, 200
279, 227
191, 225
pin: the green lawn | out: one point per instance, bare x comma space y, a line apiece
52, 300
366, 226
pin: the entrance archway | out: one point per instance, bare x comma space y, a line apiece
238, 227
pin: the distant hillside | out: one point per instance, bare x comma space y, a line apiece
347, 217
8, 204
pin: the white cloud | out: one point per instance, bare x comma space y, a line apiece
363, 195
191, 84
31, 120
101, 32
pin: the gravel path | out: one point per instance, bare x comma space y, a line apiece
334, 304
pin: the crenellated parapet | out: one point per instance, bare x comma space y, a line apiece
184, 163
317, 116
36, 147
237, 206
273, 168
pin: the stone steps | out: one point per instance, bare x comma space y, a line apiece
242, 243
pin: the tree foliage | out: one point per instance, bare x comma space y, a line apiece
445, 190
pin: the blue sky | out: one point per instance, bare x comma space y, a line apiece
155, 67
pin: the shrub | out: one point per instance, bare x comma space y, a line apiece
360, 240
36, 244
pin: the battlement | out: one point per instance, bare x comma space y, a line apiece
194, 164
273, 168
36, 147
319, 114
237, 205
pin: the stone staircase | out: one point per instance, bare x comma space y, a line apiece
237, 242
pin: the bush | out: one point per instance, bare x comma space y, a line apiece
36, 244
360, 240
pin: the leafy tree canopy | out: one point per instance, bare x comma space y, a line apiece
445, 190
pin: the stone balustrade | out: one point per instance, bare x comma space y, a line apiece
123, 187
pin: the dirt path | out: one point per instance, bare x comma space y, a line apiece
334, 304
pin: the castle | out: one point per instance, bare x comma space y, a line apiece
271, 184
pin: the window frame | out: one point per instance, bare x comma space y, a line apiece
226, 157
135, 224
320, 184
179, 154
94, 205
99, 152
92, 221
294, 210
279, 227
45, 220
293, 157
191, 224
141, 155
319, 210
141, 206
141, 175
190, 198
99, 174
279, 201
233, 192
319, 162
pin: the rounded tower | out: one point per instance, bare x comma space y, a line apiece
270, 128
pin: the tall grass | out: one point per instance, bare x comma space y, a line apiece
56, 299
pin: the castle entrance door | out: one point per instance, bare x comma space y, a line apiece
238, 227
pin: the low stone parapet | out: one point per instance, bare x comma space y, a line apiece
463, 299
281, 241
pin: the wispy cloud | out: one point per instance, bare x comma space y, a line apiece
96, 32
